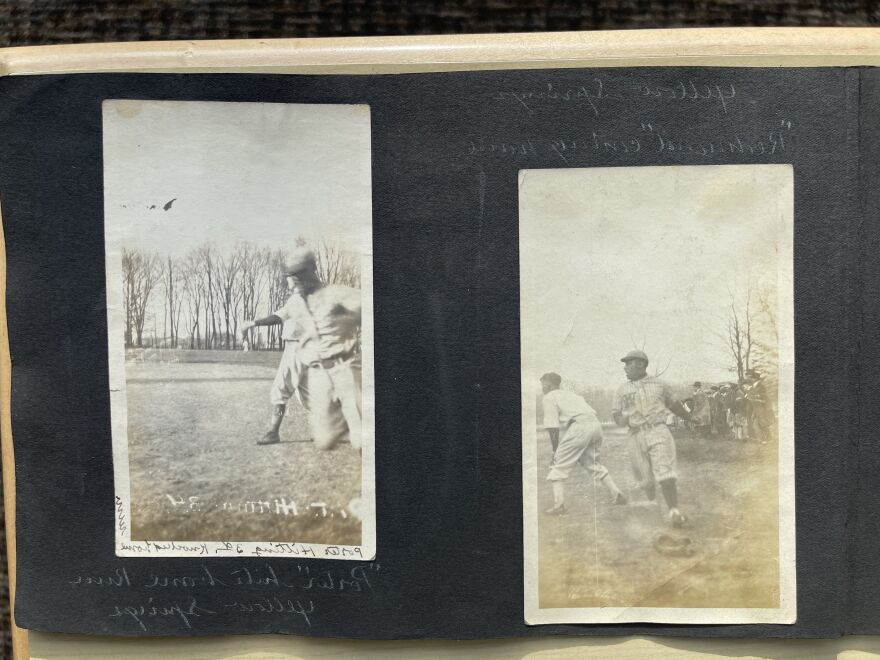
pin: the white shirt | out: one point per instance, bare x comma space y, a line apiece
561, 406
325, 323
289, 312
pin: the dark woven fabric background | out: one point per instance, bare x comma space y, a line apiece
38, 22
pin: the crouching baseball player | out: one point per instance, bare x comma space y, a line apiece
570, 415
330, 320
642, 406
321, 359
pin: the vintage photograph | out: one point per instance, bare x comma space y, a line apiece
657, 383
240, 332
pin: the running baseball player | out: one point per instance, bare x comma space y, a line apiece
570, 415
642, 405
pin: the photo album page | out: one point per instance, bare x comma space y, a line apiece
443, 355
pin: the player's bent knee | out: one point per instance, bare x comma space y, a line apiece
325, 443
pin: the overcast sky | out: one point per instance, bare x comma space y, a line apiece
264, 172
616, 258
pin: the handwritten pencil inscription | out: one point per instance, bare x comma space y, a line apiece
163, 602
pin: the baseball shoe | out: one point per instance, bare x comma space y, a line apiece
677, 518
651, 491
620, 500
269, 438
556, 510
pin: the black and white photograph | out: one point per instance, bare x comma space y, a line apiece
240, 328
657, 382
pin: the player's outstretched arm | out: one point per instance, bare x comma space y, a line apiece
272, 319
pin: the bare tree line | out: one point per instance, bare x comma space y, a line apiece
750, 334
748, 339
140, 274
203, 295
747, 332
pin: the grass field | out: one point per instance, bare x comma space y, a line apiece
599, 555
195, 469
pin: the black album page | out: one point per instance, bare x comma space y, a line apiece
446, 355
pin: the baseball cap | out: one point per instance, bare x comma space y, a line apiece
635, 355
553, 378
299, 260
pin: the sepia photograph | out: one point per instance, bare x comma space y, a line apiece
240, 328
657, 353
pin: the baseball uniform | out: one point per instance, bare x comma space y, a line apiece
645, 405
290, 369
329, 321
581, 437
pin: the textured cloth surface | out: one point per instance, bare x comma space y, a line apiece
39, 22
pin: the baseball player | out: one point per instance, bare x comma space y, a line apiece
642, 405
290, 369
568, 414
326, 369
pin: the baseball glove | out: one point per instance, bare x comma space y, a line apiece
671, 545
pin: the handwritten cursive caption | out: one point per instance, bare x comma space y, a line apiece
192, 505
595, 95
179, 601
644, 140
